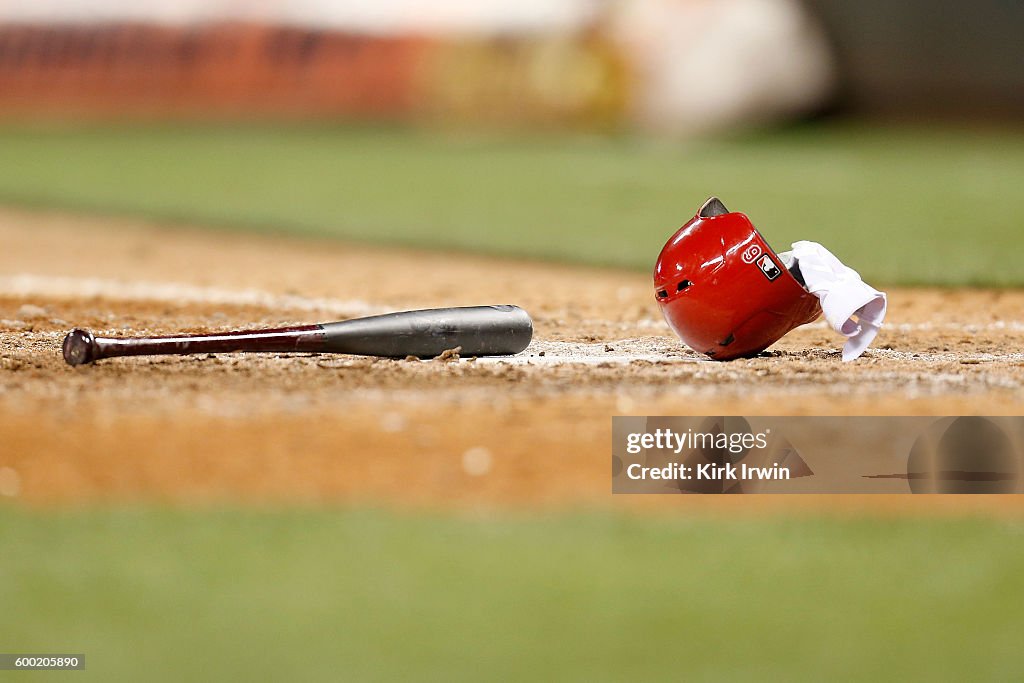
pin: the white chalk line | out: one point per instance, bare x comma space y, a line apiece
568, 353
948, 356
70, 288
579, 353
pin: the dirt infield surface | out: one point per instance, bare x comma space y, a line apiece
532, 430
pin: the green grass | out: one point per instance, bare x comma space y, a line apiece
159, 594
903, 205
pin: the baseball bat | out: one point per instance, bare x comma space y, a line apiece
478, 330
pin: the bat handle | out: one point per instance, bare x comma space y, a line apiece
82, 347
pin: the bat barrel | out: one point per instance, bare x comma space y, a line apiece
475, 330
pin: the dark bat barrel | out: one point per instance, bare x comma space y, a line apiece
476, 330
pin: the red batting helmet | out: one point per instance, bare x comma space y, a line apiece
723, 290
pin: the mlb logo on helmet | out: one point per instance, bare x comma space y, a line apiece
768, 267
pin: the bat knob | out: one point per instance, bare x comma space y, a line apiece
79, 347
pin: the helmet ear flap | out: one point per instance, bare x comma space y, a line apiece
712, 207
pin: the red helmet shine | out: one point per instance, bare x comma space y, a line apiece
723, 290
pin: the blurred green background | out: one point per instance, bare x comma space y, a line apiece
903, 205
168, 595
